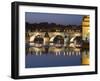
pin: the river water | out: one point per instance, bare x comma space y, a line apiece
33, 60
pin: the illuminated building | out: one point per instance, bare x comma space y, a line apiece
85, 38
85, 58
85, 27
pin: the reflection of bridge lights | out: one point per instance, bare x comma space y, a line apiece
69, 53
56, 54
73, 53
38, 45
40, 53
77, 53
64, 53
59, 53
36, 53
55, 51
76, 49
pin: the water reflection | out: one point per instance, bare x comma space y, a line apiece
50, 56
57, 51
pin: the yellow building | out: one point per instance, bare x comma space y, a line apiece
85, 58
85, 37
85, 27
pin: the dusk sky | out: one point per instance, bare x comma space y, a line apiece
63, 19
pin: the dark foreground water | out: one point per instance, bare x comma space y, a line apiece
49, 60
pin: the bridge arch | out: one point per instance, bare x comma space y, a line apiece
36, 39
76, 38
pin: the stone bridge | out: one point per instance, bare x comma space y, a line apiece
68, 37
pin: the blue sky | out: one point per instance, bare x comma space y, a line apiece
63, 19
